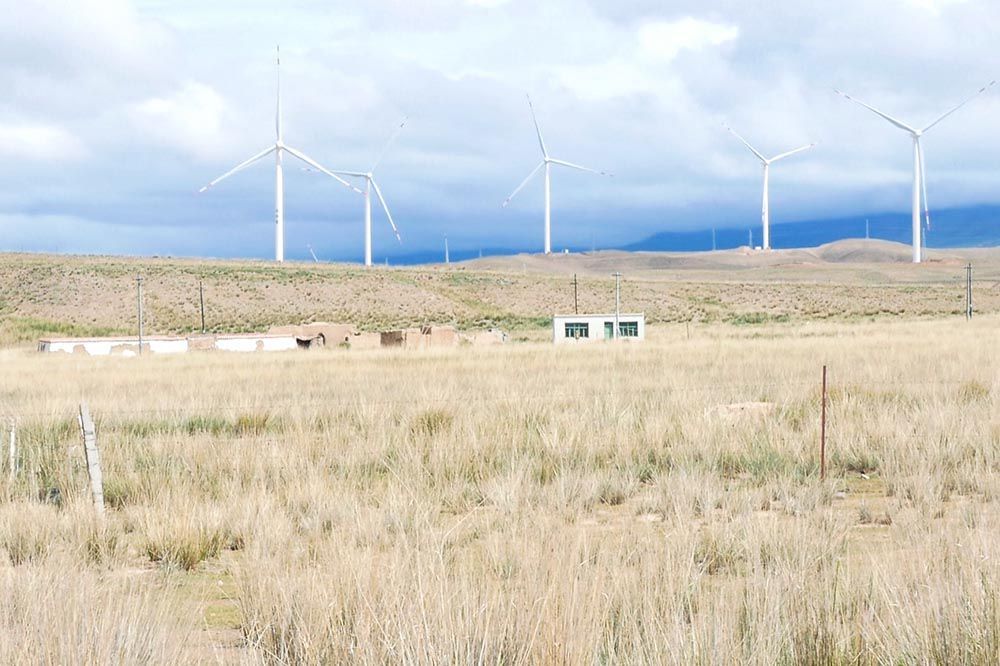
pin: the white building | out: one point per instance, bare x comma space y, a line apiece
589, 328
253, 342
123, 346
161, 344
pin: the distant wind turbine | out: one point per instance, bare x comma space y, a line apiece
546, 163
279, 183
765, 214
919, 168
370, 184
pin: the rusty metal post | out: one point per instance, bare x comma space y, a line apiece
822, 432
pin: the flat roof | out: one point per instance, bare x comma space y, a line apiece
612, 315
171, 338
123, 338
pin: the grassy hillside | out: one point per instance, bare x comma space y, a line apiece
66, 295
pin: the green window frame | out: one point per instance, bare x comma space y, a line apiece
577, 330
628, 329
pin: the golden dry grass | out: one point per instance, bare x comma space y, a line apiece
527, 504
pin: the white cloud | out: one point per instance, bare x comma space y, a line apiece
935, 6
639, 87
190, 120
43, 143
666, 39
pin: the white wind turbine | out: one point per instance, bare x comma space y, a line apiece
279, 183
370, 185
765, 213
919, 168
546, 163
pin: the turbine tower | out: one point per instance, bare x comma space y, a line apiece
765, 213
279, 183
371, 184
546, 163
919, 168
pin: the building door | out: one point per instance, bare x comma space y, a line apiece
609, 330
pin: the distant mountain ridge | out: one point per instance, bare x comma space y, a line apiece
977, 226
973, 226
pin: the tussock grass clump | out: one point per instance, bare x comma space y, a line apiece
185, 539
55, 612
974, 391
432, 422
28, 531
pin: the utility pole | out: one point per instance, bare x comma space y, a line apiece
868, 230
447, 259
576, 301
713, 239
618, 300
138, 284
201, 301
751, 238
312, 253
968, 291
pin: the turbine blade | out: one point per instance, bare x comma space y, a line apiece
538, 130
791, 152
388, 143
521, 186
923, 184
239, 167
898, 123
745, 143
385, 207
581, 168
969, 99
316, 165
277, 109
339, 172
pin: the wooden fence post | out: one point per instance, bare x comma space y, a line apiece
93, 457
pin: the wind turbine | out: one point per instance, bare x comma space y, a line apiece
370, 185
546, 163
919, 169
765, 213
279, 184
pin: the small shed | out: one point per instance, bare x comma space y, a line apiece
577, 328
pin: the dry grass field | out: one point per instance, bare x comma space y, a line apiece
514, 505
848, 281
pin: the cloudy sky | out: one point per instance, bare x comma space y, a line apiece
117, 111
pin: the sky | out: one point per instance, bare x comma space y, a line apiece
116, 112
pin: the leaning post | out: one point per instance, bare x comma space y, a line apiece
93, 457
